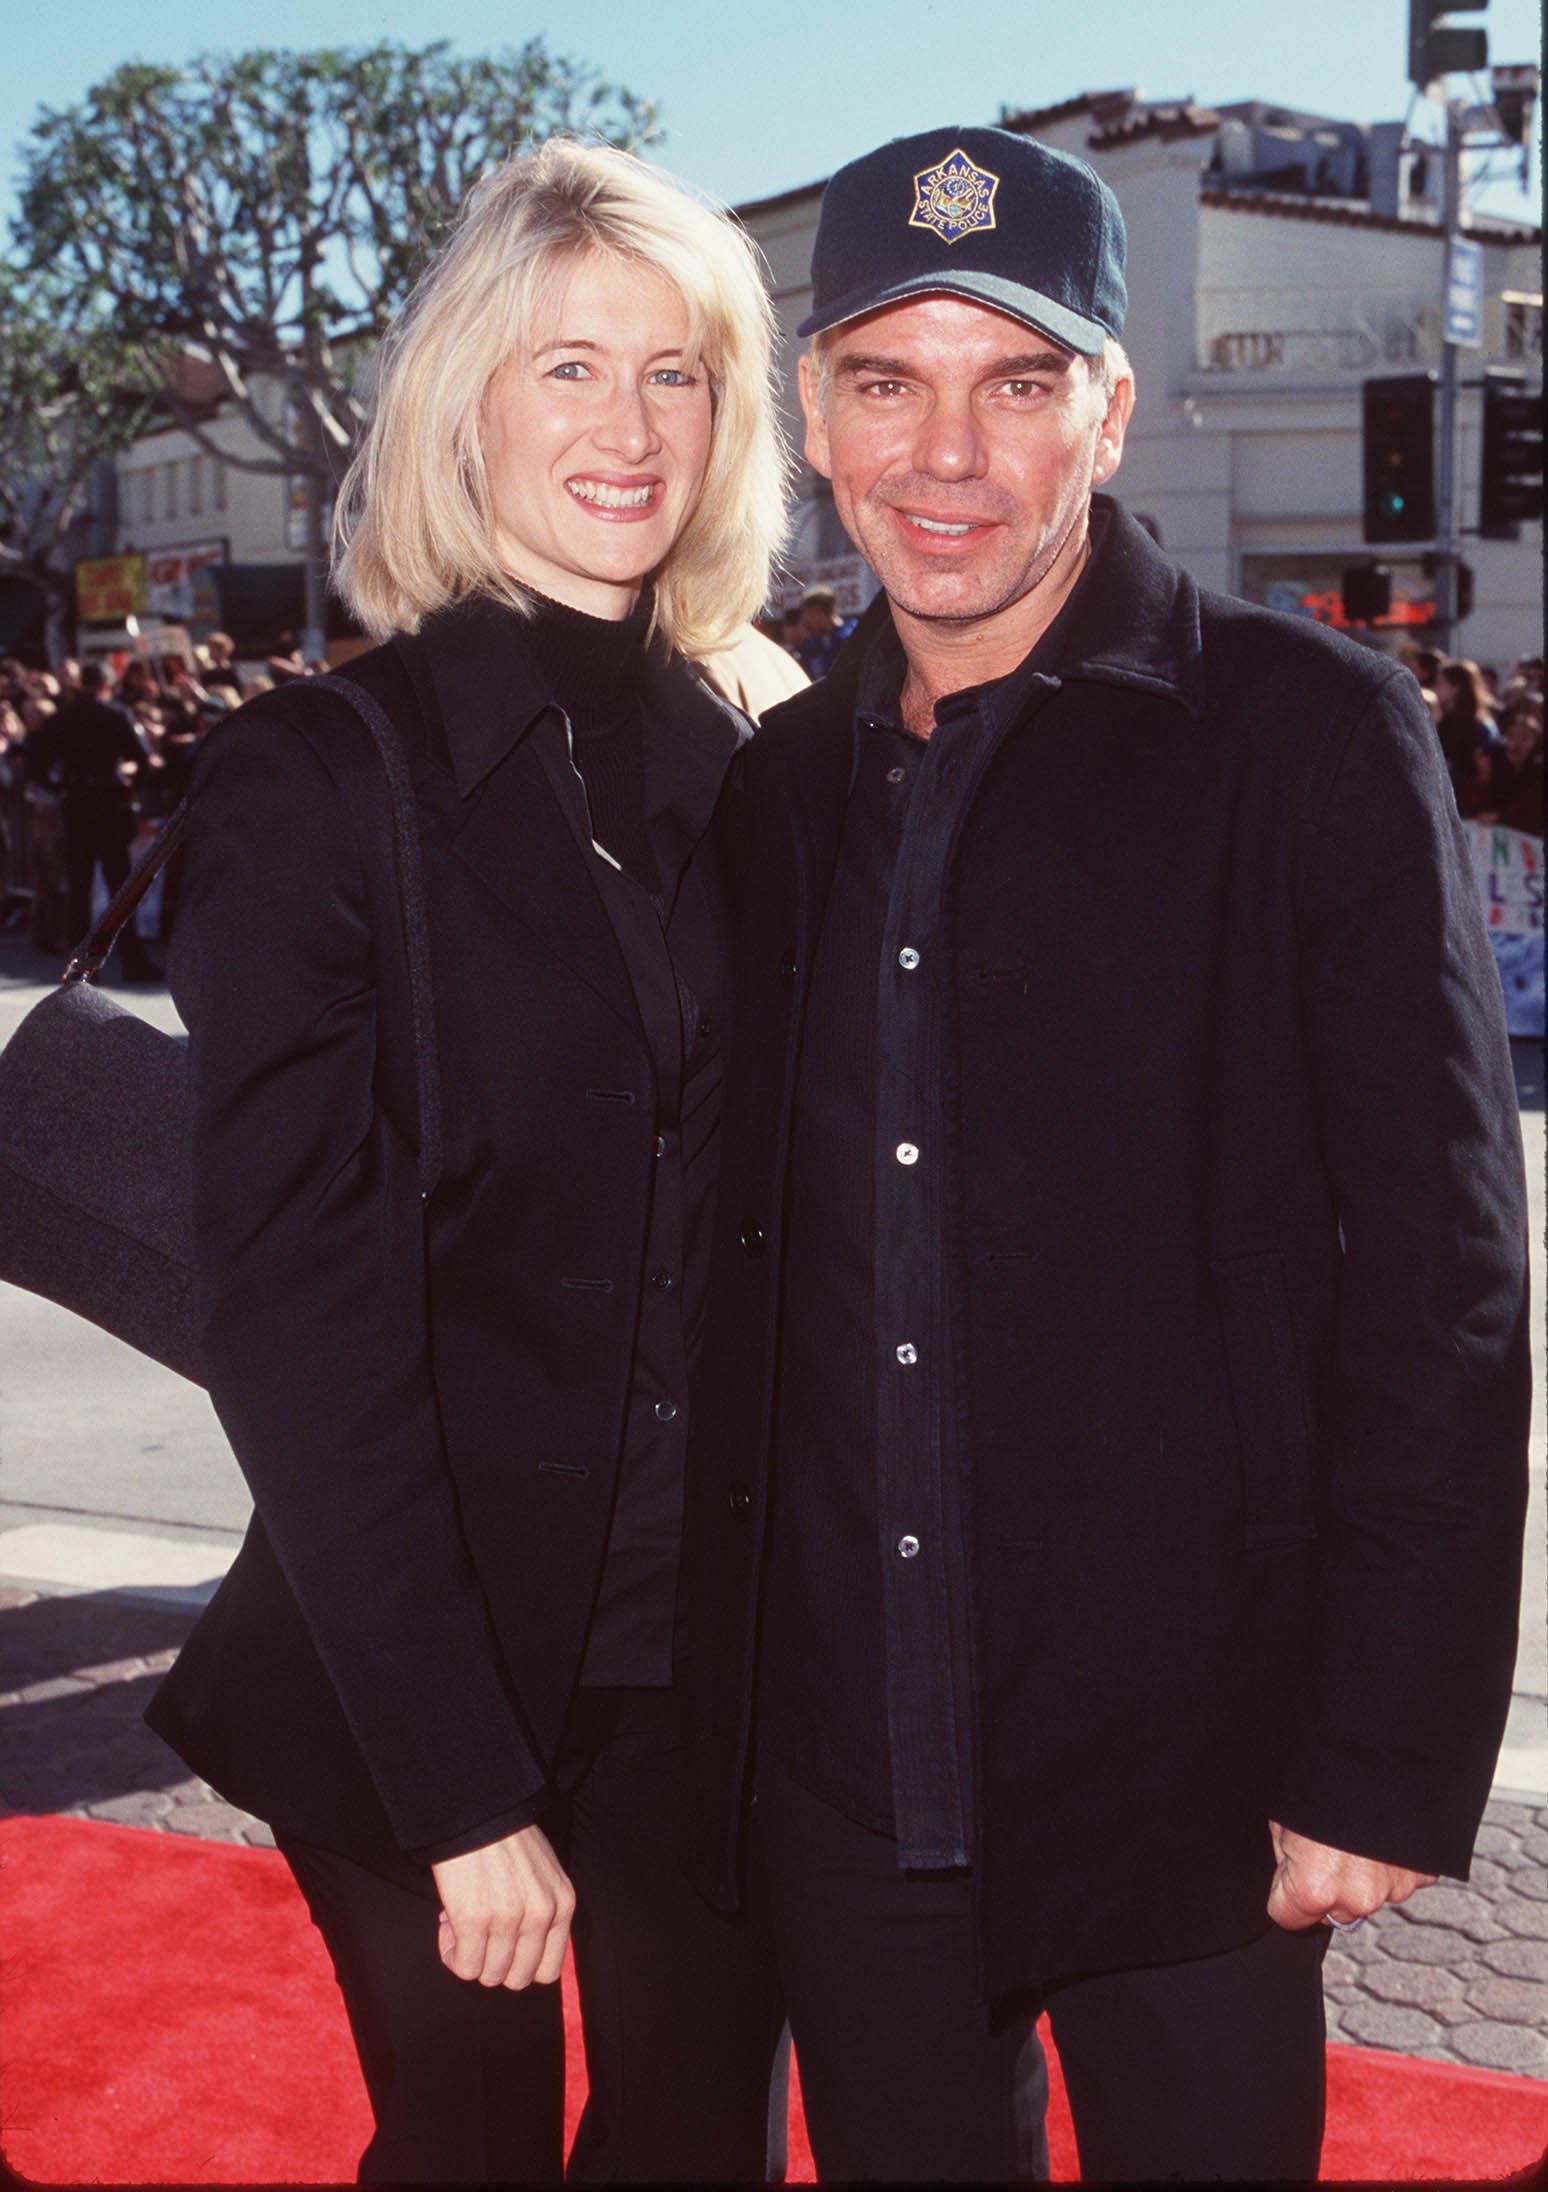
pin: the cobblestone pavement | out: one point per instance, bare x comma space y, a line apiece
1458, 1975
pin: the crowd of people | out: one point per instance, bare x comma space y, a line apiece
71, 804
1491, 732
812, 630
91, 759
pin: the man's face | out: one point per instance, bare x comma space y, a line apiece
963, 447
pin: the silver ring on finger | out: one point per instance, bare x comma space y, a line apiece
1343, 1925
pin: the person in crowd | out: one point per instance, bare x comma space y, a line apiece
1424, 662
35, 829
220, 673
1109, 1475
1515, 789
820, 631
181, 684
1464, 724
287, 661
442, 1663
89, 755
13, 813
139, 687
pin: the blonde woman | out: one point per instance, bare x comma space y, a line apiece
441, 1666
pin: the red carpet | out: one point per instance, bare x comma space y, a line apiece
170, 2018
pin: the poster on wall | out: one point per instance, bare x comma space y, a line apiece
171, 578
109, 588
1508, 865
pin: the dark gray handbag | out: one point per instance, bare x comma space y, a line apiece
95, 1193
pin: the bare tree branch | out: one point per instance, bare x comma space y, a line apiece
269, 211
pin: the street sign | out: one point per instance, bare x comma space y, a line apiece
1464, 293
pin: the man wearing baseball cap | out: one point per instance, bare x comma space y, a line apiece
1108, 1484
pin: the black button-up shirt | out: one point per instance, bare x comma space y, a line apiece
670, 932
865, 1684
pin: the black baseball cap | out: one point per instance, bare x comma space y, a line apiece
980, 213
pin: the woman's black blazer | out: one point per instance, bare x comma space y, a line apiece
426, 1406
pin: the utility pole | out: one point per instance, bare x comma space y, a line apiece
1436, 50
1447, 471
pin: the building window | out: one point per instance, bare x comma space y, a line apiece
1523, 326
195, 486
218, 498
169, 490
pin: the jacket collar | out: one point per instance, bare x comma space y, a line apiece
1133, 619
471, 662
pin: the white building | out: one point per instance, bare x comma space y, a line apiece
221, 542
1276, 261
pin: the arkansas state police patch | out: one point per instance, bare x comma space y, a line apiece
954, 199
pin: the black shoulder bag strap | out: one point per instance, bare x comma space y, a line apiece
87, 960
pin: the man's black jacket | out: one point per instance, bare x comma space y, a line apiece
1239, 1273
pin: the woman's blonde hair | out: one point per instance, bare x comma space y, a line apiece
414, 529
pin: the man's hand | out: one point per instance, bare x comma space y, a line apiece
1313, 1883
505, 1911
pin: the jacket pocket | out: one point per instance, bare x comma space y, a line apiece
1268, 1399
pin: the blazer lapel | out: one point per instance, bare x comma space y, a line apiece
520, 844
492, 727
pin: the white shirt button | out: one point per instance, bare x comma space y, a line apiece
908, 1352
908, 1546
908, 958
907, 1153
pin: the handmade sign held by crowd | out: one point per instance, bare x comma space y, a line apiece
1509, 867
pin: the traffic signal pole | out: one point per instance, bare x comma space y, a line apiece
1447, 602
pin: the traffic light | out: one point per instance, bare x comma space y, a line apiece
1435, 48
1511, 486
1398, 447
1430, 565
1366, 592
1513, 88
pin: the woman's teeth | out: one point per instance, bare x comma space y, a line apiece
611, 498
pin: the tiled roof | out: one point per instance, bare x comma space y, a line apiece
1101, 105
1178, 118
1285, 205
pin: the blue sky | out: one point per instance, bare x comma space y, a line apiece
760, 99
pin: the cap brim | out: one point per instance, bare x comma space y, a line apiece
1071, 330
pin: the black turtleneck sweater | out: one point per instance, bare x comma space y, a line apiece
594, 668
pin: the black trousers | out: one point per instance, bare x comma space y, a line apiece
680, 2006
97, 837
1205, 2070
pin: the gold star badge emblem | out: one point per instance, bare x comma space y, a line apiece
955, 199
